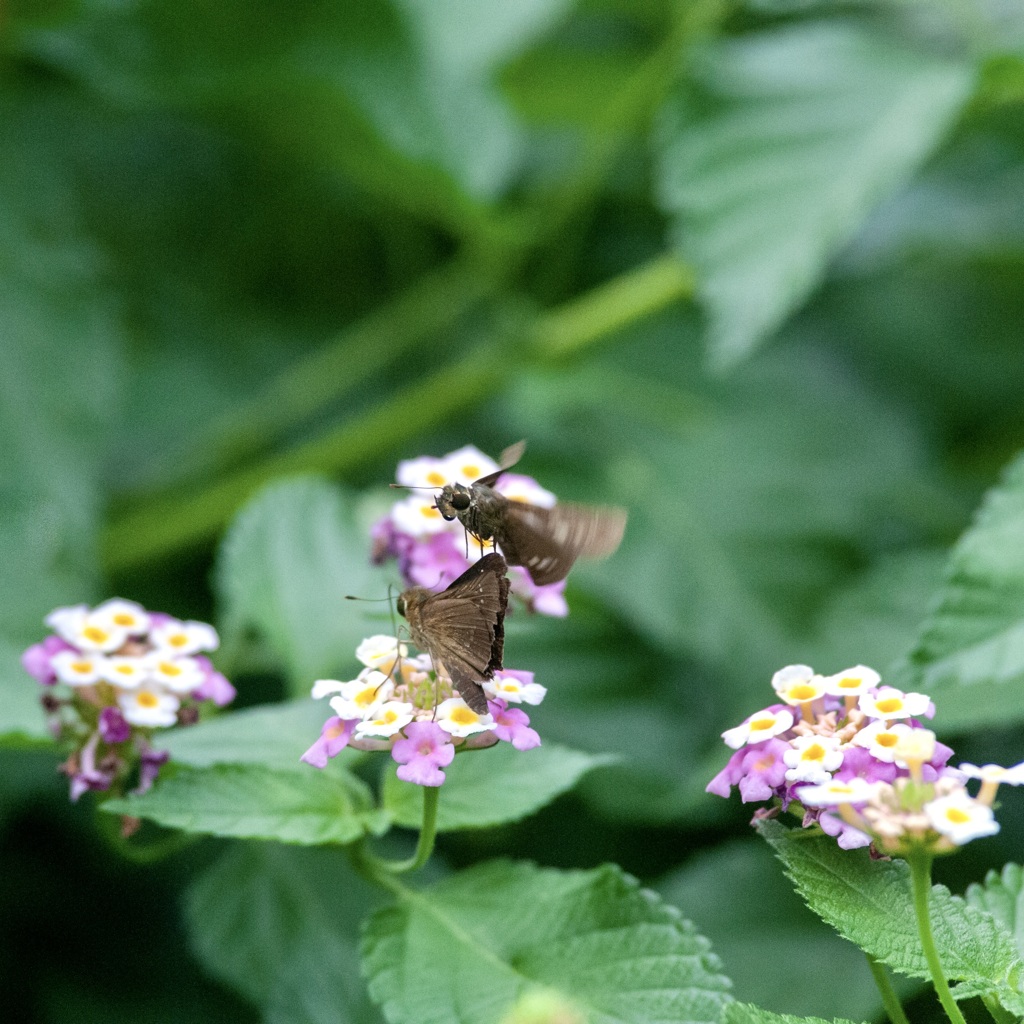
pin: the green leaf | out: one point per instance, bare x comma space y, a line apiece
969, 655
470, 947
276, 736
307, 807
869, 903
745, 1013
875, 618
399, 96
21, 717
281, 925
493, 786
779, 150
286, 564
60, 382
1002, 896
737, 896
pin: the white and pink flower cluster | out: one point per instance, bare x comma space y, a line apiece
399, 703
852, 755
127, 671
432, 551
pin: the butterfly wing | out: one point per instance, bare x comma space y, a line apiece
509, 457
547, 541
463, 628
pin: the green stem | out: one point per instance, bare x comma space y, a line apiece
890, 1000
997, 1013
187, 517
380, 870
921, 878
109, 827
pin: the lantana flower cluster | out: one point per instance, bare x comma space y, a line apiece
853, 756
115, 673
432, 551
400, 703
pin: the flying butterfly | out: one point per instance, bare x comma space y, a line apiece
463, 627
546, 541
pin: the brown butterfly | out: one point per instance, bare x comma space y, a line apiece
463, 627
545, 540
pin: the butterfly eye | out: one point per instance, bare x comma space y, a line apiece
460, 501
400, 605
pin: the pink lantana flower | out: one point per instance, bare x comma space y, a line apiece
422, 754
432, 552
411, 701
114, 674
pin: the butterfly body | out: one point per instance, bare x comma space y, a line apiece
463, 627
546, 541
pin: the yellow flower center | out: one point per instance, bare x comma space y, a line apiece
177, 640
170, 669
886, 739
364, 698
95, 634
464, 716
125, 670
848, 683
815, 752
124, 619
435, 478
957, 816
889, 705
803, 692
81, 667
429, 512
760, 724
147, 699
471, 471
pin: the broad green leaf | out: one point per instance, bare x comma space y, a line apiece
281, 926
400, 96
746, 501
745, 1013
739, 899
869, 903
776, 153
875, 618
59, 380
969, 656
285, 567
306, 807
492, 786
594, 939
275, 736
21, 716
1002, 896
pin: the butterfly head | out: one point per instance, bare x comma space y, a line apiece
453, 499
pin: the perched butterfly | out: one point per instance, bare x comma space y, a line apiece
546, 541
463, 627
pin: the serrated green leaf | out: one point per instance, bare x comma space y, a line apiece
869, 902
21, 716
275, 736
306, 807
468, 948
969, 655
492, 786
777, 154
1002, 896
285, 567
281, 925
740, 900
746, 1013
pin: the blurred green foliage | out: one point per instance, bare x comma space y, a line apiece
753, 270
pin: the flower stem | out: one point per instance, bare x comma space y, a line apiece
890, 1000
997, 1013
920, 874
380, 870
